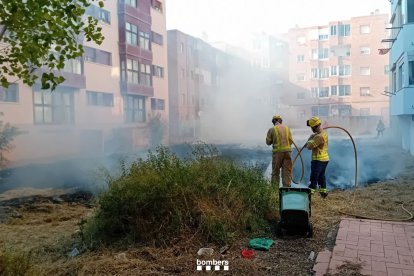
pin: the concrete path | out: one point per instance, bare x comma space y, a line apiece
382, 248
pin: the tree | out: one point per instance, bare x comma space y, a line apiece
156, 130
43, 34
7, 134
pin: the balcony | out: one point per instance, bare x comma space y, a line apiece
136, 89
72, 72
403, 42
402, 102
143, 13
132, 50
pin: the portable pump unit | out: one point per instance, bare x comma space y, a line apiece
295, 211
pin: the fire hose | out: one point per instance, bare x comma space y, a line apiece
355, 181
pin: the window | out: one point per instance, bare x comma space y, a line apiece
334, 70
323, 53
344, 70
134, 107
144, 40
10, 94
323, 37
301, 114
132, 3
156, 5
300, 95
365, 71
365, 50
324, 73
99, 98
157, 71
301, 40
344, 29
183, 73
334, 90
344, 90
411, 72
320, 110
157, 104
53, 107
365, 29
394, 81
314, 54
324, 92
131, 33
300, 77
98, 13
364, 91
410, 12
73, 66
401, 76
157, 38
145, 75
344, 110
182, 47
132, 71
314, 92
397, 20
364, 111
386, 69
98, 56
333, 30
314, 73
300, 58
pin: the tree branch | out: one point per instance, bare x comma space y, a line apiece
2, 31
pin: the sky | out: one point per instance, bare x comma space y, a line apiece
230, 20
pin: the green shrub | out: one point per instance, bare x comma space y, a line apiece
161, 198
16, 263
7, 135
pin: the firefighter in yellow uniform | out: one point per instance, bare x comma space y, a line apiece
280, 137
318, 143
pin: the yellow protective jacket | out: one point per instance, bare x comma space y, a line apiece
318, 143
280, 137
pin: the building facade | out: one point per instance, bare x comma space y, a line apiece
402, 72
193, 77
270, 53
112, 97
219, 95
339, 66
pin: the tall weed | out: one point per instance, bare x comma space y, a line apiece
159, 199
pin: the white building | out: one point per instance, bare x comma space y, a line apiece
402, 72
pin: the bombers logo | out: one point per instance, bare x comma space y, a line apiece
212, 265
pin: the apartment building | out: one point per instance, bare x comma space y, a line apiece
110, 97
339, 66
401, 46
218, 95
270, 53
192, 77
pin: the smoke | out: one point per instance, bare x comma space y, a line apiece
377, 161
240, 108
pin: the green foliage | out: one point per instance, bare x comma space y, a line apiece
7, 134
156, 128
43, 34
162, 198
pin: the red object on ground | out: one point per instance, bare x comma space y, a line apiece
247, 254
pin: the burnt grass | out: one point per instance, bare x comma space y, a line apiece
288, 256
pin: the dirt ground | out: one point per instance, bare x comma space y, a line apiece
47, 226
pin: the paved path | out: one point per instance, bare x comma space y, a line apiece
382, 247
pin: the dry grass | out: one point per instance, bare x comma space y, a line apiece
348, 269
49, 232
